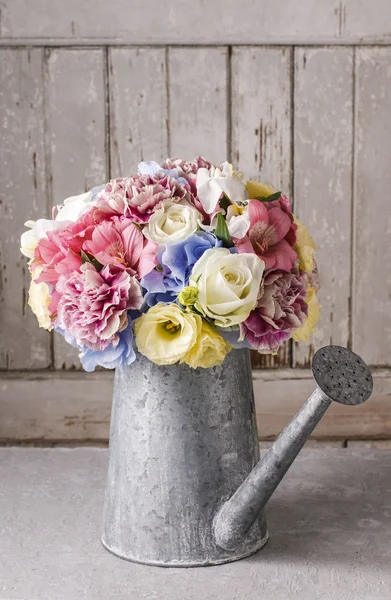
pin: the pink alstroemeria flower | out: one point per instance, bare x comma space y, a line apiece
59, 252
270, 229
120, 243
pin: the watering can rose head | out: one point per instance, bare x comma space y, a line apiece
180, 262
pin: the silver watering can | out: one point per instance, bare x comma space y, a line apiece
186, 486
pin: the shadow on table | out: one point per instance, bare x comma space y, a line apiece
332, 520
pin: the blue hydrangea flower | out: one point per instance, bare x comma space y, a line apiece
177, 261
109, 358
151, 167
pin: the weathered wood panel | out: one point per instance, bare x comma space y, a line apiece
22, 196
65, 406
372, 275
198, 101
76, 95
261, 130
323, 182
138, 107
195, 22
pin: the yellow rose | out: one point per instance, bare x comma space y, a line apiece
304, 332
165, 333
209, 350
39, 301
256, 189
304, 247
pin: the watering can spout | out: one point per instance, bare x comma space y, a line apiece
341, 376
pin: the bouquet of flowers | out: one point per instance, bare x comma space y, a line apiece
181, 262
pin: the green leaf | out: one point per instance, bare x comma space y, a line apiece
270, 198
225, 202
88, 258
221, 231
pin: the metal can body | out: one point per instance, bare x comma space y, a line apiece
182, 441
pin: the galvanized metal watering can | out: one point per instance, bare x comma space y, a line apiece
186, 486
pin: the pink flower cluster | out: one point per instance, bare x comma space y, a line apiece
104, 266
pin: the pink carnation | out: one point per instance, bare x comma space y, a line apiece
138, 196
188, 169
187, 166
280, 311
119, 242
92, 306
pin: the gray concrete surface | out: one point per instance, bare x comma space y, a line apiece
329, 522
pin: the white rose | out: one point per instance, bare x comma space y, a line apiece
212, 183
228, 285
173, 222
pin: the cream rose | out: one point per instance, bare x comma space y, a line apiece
165, 333
172, 222
39, 301
228, 285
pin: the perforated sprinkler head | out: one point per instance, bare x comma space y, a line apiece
342, 375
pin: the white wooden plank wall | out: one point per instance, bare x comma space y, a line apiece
313, 121
198, 101
23, 196
138, 107
372, 225
323, 130
196, 22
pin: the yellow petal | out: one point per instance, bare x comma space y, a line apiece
304, 247
255, 189
209, 350
308, 328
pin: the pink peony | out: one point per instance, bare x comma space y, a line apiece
280, 311
138, 196
119, 242
271, 233
92, 306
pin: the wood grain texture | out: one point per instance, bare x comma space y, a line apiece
76, 117
66, 406
22, 196
261, 131
138, 107
198, 101
372, 275
261, 114
323, 182
194, 22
